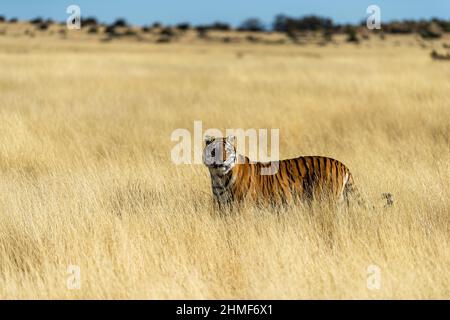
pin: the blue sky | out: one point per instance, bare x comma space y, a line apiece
233, 11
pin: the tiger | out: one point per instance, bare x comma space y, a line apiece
235, 179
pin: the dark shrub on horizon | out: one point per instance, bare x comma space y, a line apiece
89, 21
183, 26
216, 26
443, 24
2, 19
280, 23
400, 27
13, 20
145, 29
252, 24
220, 26
120, 23
283, 23
430, 31
37, 20
422, 27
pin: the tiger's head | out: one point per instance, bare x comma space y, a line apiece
219, 154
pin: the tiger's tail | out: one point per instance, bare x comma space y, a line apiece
351, 193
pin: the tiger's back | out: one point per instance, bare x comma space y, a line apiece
304, 178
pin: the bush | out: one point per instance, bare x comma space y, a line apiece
216, 26
431, 31
89, 21
286, 24
183, 26
220, 26
37, 20
292, 35
351, 34
13, 20
111, 30
120, 23
443, 24
404, 27
252, 24
42, 26
2, 19
167, 32
280, 23
201, 28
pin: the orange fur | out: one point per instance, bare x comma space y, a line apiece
304, 178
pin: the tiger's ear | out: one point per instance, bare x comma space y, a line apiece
209, 139
231, 139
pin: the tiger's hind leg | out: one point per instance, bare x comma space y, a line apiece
350, 193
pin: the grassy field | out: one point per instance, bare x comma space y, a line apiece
86, 177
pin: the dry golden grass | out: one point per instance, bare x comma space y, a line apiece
86, 177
